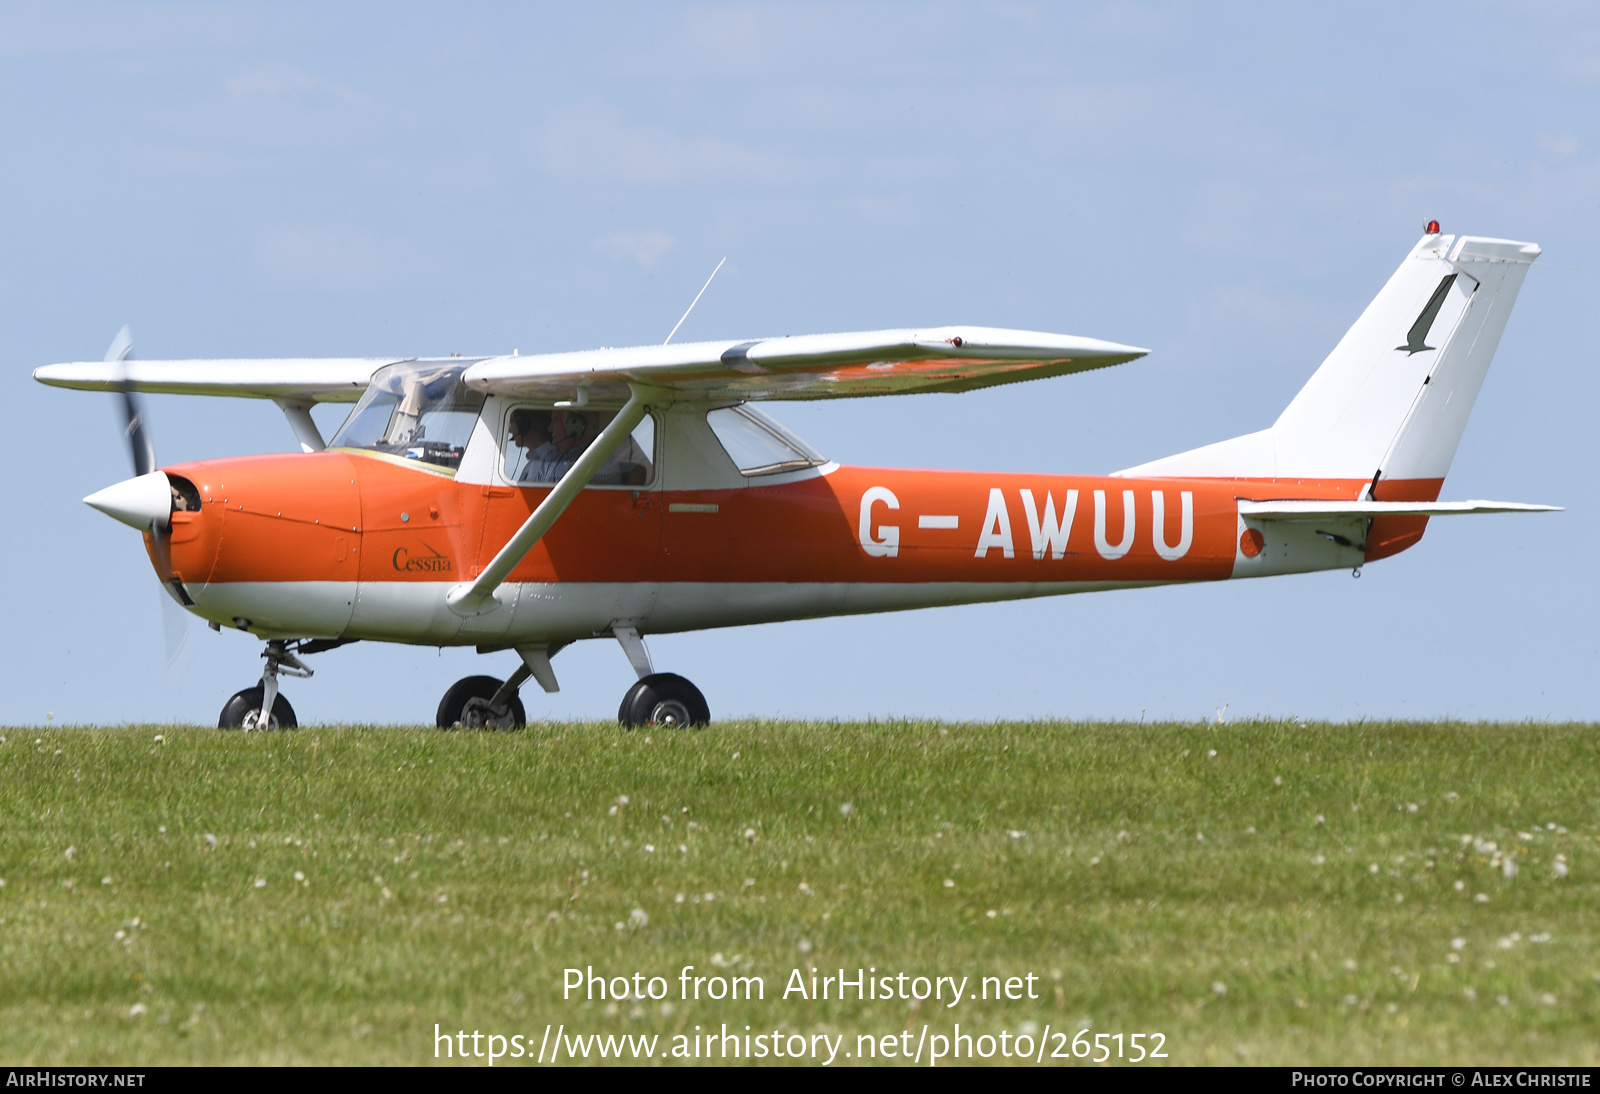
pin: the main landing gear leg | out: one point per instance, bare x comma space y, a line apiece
659, 698
482, 702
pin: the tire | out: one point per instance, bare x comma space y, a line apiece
456, 713
243, 711
663, 699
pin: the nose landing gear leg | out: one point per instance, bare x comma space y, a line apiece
279, 659
262, 707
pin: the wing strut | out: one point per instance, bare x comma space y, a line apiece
298, 411
478, 597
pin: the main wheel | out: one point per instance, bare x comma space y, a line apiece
243, 711
663, 699
466, 706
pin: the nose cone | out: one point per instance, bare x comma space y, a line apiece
137, 502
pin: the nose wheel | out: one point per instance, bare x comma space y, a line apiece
243, 711
663, 699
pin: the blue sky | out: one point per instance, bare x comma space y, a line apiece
1227, 185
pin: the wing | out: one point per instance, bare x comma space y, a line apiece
311, 380
817, 366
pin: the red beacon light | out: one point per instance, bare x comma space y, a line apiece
1432, 228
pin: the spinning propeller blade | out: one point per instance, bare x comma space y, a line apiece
145, 501
140, 447
142, 450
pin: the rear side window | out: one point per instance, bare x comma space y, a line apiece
757, 444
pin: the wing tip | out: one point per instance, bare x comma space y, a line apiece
57, 375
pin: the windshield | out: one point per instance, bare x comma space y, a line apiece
417, 410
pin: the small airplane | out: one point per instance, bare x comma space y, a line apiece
525, 502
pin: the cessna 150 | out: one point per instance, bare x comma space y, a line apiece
525, 502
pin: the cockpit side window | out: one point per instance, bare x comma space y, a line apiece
540, 445
416, 410
757, 444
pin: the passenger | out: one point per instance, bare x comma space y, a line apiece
627, 466
530, 431
570, 435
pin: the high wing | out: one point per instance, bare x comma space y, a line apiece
311, 380
817, 366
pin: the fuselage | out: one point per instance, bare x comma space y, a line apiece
348, 544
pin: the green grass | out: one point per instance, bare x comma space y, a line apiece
451, 877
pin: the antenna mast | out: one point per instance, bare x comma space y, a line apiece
696, 299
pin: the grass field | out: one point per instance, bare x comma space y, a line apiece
1258, 893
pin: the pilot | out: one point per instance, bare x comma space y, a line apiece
569, 436
530, 431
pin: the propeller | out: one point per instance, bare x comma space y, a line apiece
140, 446
145, 501
152, 498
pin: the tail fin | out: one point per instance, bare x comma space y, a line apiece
1392, 399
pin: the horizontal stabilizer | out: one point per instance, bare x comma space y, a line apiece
1326, 510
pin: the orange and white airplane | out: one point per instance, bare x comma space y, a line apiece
526, 502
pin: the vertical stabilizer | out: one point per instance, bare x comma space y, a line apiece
1392, 399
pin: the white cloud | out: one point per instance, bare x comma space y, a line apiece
276, 106
332, 258
596, 142
124, 29
647, 248
1559, 146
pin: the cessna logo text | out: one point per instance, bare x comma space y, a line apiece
407, 560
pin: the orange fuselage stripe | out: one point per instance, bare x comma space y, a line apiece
338, 516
